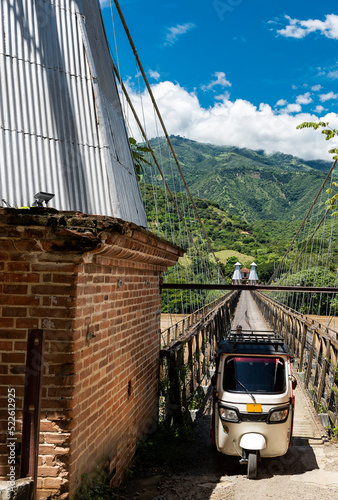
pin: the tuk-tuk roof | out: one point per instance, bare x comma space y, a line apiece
254, 342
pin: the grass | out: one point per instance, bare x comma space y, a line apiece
223, 256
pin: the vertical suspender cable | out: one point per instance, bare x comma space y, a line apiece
307, 215
162, 124
157, 164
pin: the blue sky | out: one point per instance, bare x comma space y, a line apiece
234, 72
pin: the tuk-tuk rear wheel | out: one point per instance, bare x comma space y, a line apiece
252, 464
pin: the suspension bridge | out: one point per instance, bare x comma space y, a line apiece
201, 304
299, 302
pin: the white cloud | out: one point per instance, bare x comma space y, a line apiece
319, 109
175, 32
104, 3
315, 88
299, 29
333, 74
237, 123
281, 102
220, 80
221, 97
328, 97
304, 99
292, 108
154, 74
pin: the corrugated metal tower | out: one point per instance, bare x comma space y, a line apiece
61, 125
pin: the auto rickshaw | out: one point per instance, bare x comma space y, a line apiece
253, 401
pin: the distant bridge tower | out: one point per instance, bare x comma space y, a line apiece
61, 124
237, 277
253, 277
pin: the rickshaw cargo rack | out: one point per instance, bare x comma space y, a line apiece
253, 342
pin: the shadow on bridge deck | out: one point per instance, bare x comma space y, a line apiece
306, 471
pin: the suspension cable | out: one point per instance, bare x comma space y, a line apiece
163, 126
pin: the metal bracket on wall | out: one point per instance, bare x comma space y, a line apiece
32, 405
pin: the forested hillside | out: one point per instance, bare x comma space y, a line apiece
229, 234
246, 183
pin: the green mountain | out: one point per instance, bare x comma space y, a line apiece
246, 183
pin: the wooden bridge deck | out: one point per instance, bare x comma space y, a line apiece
307, 428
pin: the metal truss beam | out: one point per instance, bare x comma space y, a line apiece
270, 288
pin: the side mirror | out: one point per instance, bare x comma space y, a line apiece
294, 383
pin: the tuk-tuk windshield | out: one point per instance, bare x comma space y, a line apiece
254, 374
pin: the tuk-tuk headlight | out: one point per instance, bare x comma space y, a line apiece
279, 415
228, 414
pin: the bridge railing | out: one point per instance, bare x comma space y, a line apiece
315, 348
186, 361
180, 328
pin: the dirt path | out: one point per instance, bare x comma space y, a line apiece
305, 472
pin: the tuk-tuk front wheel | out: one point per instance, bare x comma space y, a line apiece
252, 464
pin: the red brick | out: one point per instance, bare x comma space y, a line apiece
64, 278
44, 494
51, 312
13, 358
15, 289
18, 266
58, 392
6, 322
27, 323
19, 300
48, 471
21, 256
57, 438
53, 290
20, 277
7, 245
14, 312
11, 381
51, 267
49, 449
20, 346
6, 346
47, 426
60, 301
53, 483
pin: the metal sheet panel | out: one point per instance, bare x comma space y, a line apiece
61, 122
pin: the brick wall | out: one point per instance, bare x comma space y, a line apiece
92, 284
